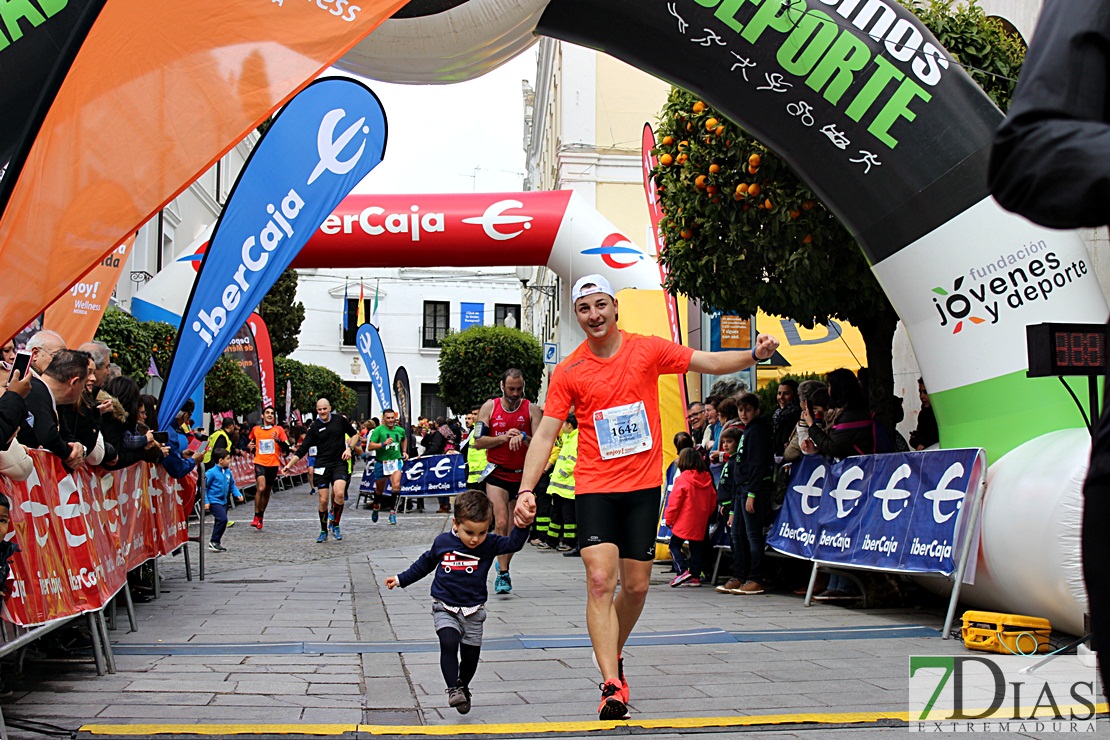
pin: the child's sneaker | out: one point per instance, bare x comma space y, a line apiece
611, 706
216, 547
563, 547
464, 708
681, 578
692, 581
543, 545
455, 697
322, 538
503, 583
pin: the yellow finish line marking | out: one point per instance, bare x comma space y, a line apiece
523, 728
488, 729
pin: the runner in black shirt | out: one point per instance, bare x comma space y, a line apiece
332, 435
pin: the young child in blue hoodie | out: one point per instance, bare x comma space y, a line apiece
461, 560
219, 487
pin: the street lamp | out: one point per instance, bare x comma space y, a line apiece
524, 274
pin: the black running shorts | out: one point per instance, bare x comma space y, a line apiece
628, 520
513, 487
269, 472
331, 474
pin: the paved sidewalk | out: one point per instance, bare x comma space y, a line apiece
321, 641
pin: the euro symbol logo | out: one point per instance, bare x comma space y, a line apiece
364, 344
442, 468
891, 493
415, 471
495, 216
811, 490
843, 494
943, 493
329, 147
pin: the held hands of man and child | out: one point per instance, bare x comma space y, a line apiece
392, 582
525, 512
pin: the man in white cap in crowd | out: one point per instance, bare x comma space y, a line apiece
612, 382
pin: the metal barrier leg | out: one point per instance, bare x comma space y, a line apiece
110, 608
157, 578
130, 609
3, 728
109, 656
188, 563
98, 650
812, 583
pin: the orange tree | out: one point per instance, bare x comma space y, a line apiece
743, 231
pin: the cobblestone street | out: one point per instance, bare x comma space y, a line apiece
289, 535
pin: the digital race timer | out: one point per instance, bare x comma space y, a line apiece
1066, 349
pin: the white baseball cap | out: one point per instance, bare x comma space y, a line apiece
588, 285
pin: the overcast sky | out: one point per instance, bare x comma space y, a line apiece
460, 138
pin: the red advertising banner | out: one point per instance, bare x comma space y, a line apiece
265, 355
79, 533
76, 315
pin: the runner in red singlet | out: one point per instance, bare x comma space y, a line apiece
611, 381
504, 429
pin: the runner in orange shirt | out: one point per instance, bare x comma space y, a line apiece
265, 442
611, 381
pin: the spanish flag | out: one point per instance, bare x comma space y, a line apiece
361, 306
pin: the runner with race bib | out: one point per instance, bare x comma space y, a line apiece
265, 441
611, 382
332, 436
390, 443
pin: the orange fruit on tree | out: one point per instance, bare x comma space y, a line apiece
689, 127
668, 140
755, 160
752, 170
711, 124
683, 144
712, 190
807, 239
686, 233
699, 107
682, 158
767, 204
742, 190
666, 160
754, 189
714, 169
808, 205
699, 182
719, 130
739, 196
795, 214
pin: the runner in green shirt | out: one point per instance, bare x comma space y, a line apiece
391, 444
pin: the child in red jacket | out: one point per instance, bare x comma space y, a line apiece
689, 507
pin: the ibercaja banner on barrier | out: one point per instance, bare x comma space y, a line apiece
899, 512
79, 533
434, 475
